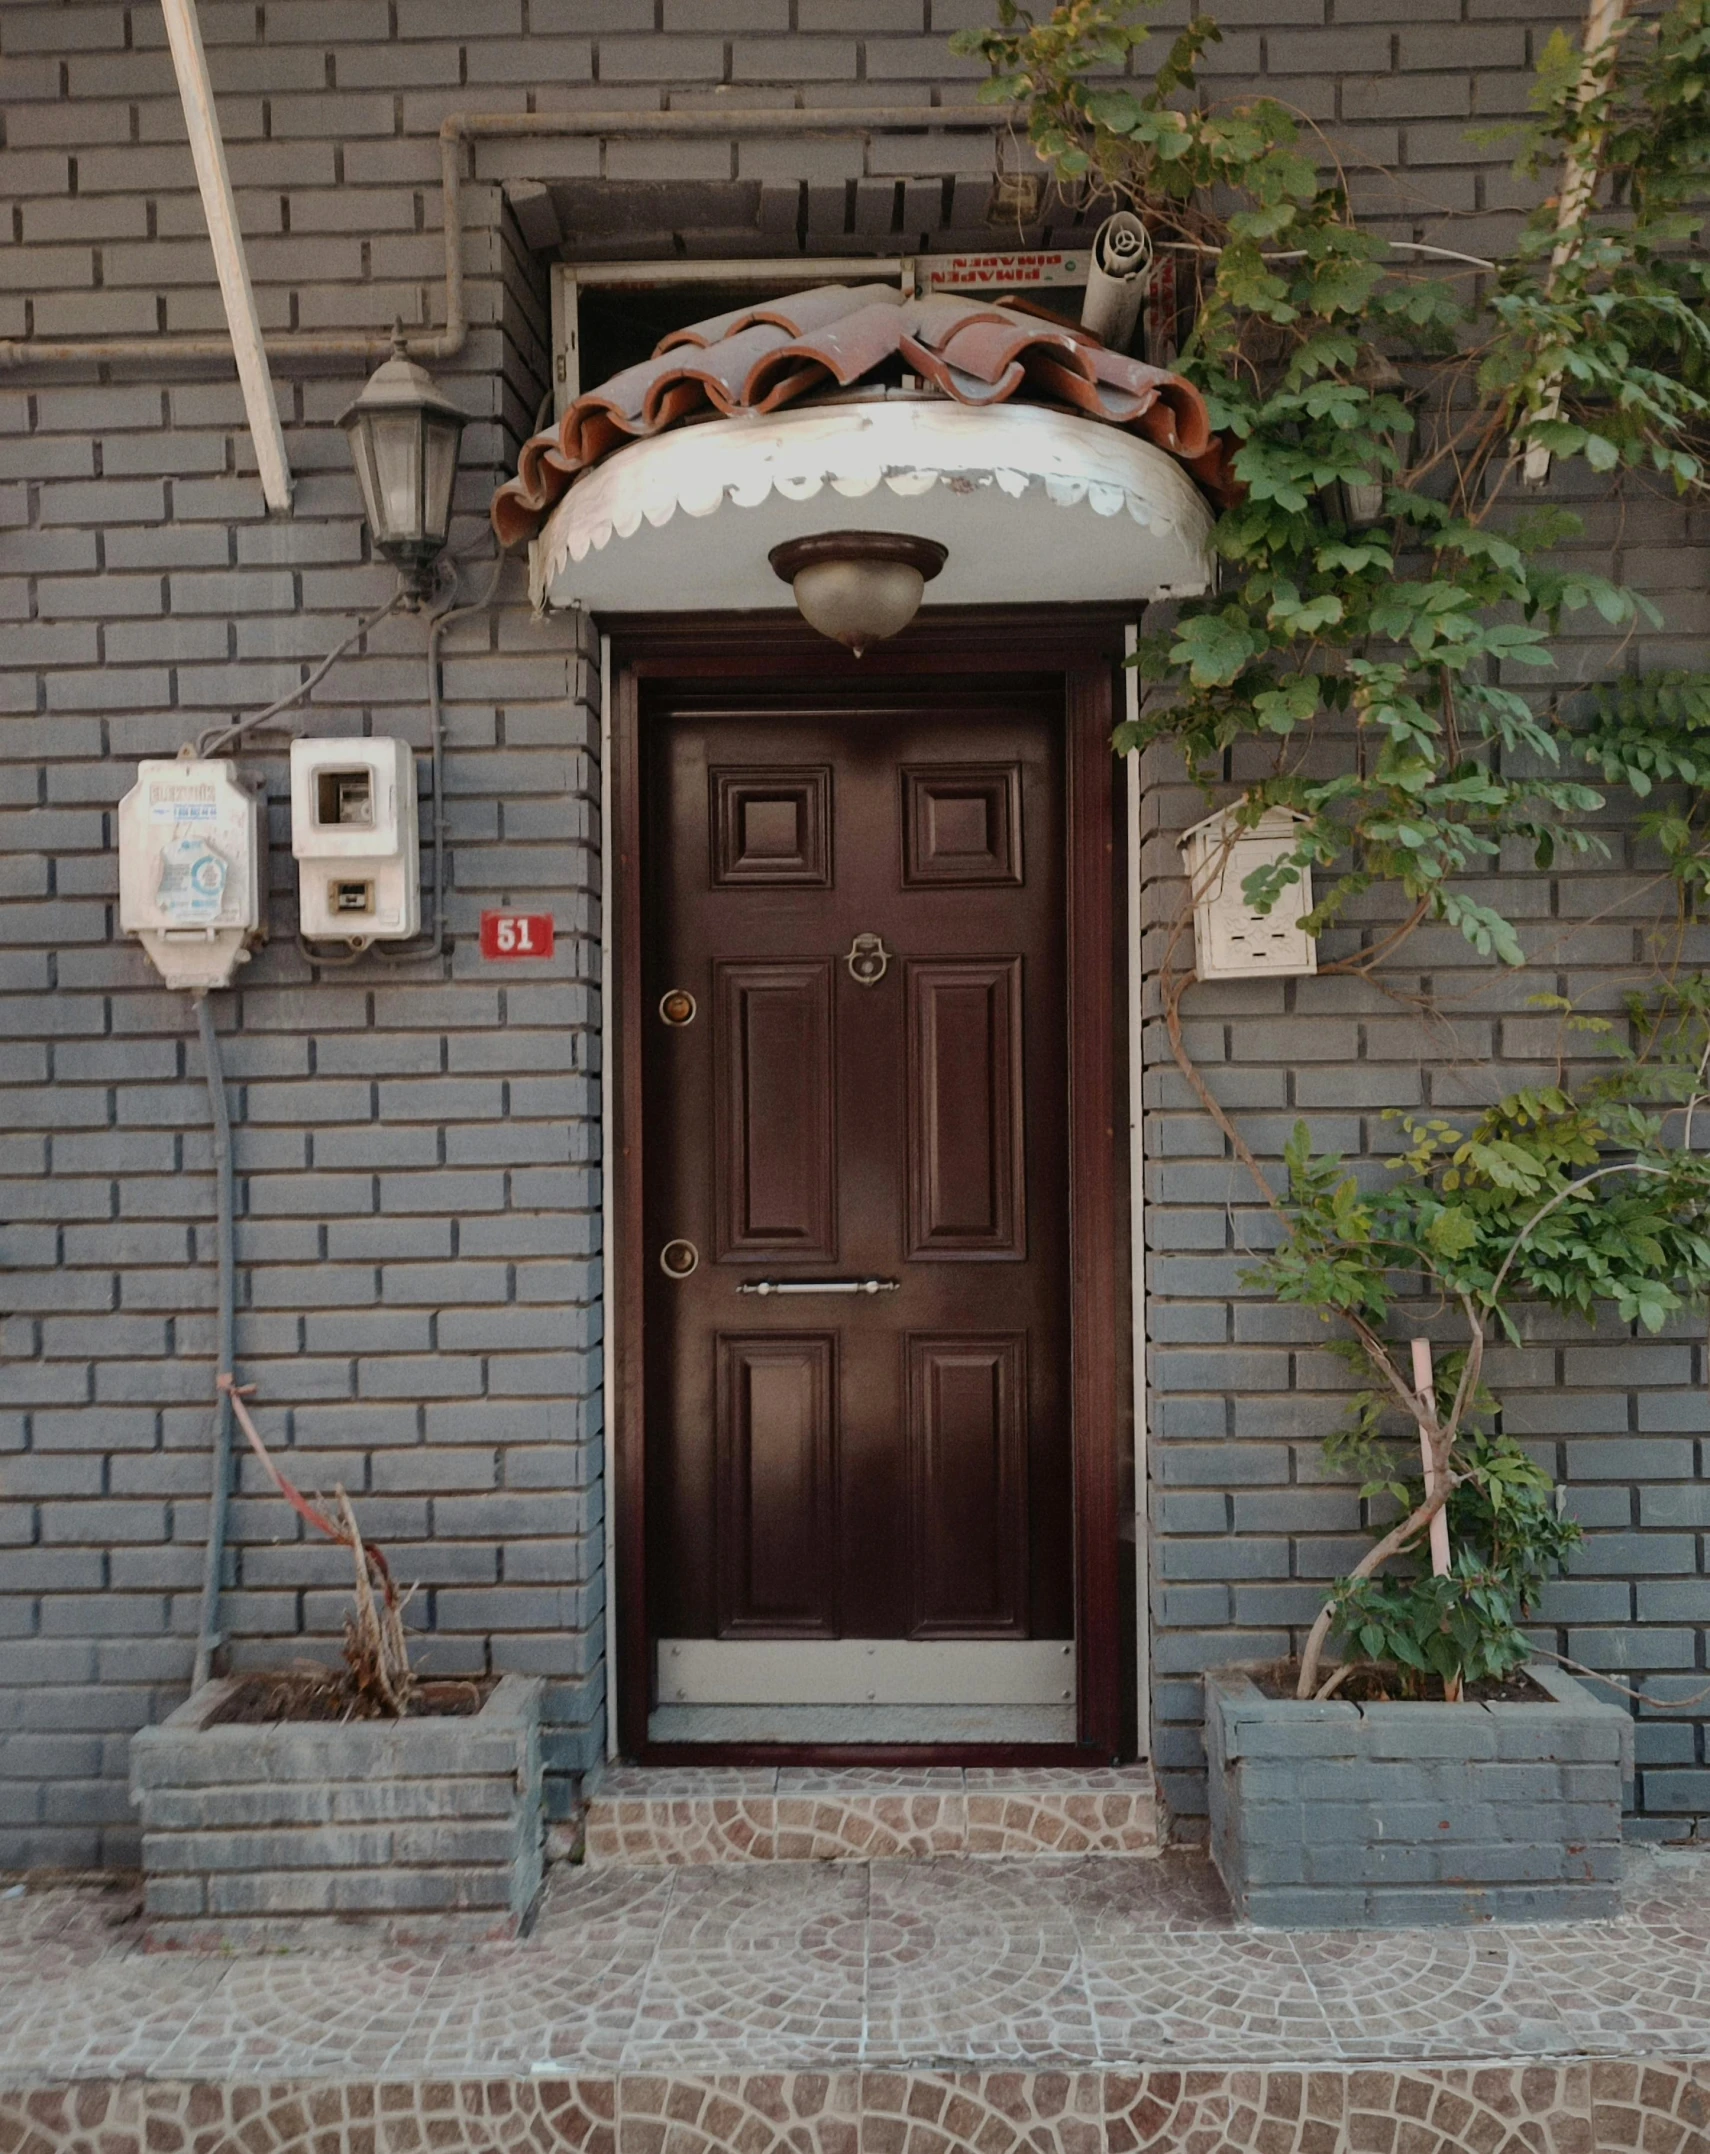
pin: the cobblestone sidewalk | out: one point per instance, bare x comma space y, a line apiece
1086, 2006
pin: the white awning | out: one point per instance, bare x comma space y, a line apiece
1035, 506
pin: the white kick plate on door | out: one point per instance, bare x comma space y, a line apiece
866, 1671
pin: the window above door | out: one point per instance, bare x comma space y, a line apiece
610, 315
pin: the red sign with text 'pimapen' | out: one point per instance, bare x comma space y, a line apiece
517, 934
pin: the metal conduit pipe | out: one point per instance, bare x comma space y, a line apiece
459, 128
436, 720
225, 1234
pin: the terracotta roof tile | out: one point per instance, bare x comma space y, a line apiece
813, 343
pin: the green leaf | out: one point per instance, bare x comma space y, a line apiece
1117, 110
1214, 647
1452, 1232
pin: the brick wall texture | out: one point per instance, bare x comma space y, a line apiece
417, 1145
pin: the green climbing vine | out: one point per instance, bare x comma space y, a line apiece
1380, 650
1331, 362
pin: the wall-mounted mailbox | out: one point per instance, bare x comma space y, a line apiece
354, 837
1231, 941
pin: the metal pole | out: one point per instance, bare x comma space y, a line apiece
184, 33
225, 1233
1425, 1385
1579, 186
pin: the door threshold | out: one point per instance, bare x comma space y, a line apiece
880, 1722
836, 1757
958, 1679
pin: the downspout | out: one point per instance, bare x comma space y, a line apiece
459, 128
231, 265
225, 1237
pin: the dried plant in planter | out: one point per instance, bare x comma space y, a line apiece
376, 1650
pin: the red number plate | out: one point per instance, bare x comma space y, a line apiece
516, 934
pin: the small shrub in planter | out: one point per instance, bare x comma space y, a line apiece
313, 1792
1442, 1771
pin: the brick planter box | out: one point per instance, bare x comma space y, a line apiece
1341, 1816
439, 1814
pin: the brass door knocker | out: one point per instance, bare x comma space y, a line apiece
868, 960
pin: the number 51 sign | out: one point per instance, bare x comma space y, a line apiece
517, 934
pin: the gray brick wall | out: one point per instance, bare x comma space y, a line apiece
418, 1149
417, 1145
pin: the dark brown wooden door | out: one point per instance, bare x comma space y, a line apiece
894, 1464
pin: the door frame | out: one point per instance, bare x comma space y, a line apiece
1080, 652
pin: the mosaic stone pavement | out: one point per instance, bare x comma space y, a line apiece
652, 1814
1080, 2005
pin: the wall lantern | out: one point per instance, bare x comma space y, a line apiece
858, 587
1362, 498
404, 438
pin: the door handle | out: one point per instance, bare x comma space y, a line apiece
820, 1286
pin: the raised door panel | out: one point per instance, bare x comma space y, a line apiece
961, 825
774, 1169
967, 1443
771, 827
776, 1441
966, 1161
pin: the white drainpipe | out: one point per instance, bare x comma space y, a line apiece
191, 62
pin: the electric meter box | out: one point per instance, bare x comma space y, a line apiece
190, 869
354, 835
1230, 940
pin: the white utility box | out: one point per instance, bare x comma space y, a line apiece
190, 869
353, 832
1231, 941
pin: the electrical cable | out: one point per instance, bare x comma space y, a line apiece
334, 958
209, 1636
433, 940
215, 738
225, 1242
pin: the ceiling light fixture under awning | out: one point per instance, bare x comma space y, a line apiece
858, 587
1033, 505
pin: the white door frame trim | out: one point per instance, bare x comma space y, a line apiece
608, 1201
1137, 1213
